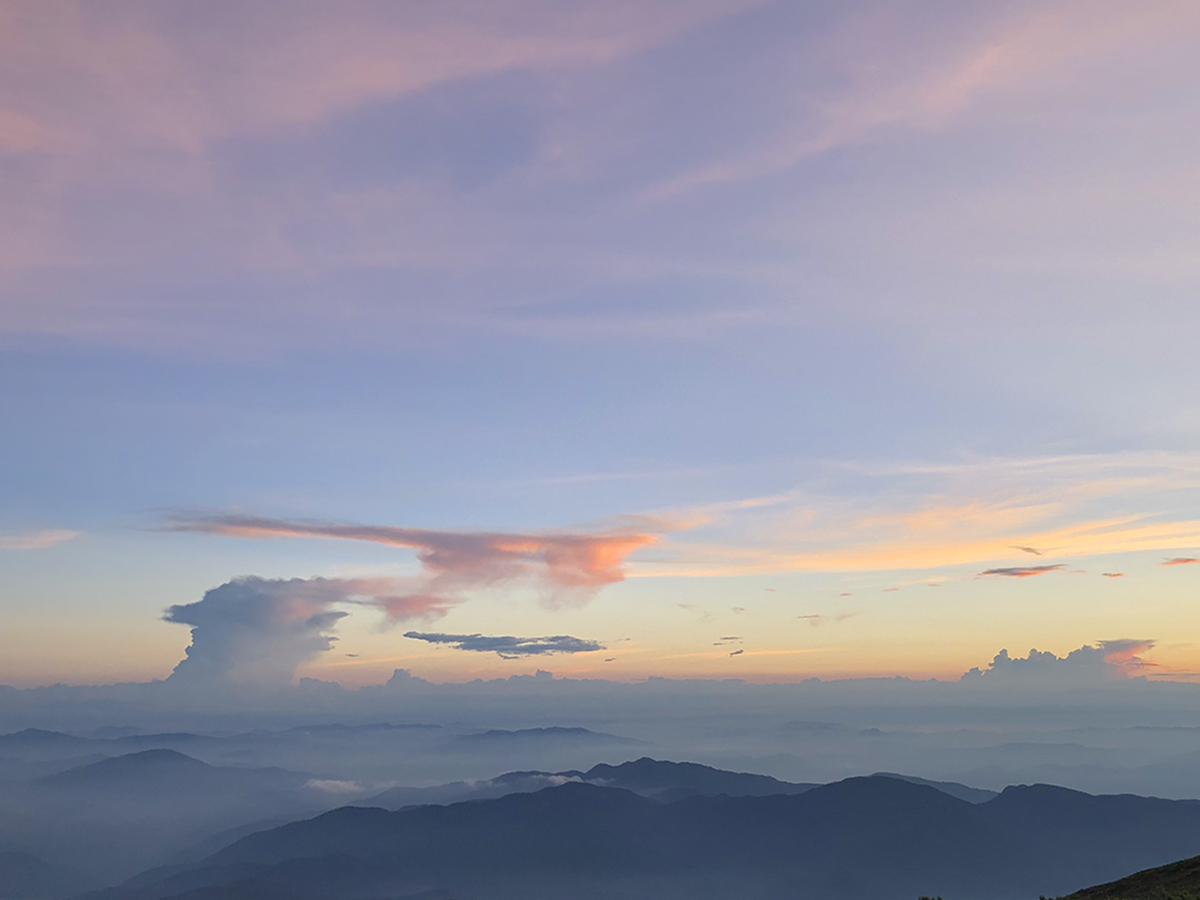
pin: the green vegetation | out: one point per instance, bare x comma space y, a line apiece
1177, 881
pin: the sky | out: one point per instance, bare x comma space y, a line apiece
707, 339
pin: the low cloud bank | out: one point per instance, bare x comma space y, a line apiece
509, 647
1105, 662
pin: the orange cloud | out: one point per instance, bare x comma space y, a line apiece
977, 513
925, 551
571, 566
1180, 561
1123, 656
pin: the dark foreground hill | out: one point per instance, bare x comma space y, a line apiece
1177, 881
861, 839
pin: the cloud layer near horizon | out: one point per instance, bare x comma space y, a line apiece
508, 647
1088, 665
258, 631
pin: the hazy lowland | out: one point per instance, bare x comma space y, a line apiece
537, 786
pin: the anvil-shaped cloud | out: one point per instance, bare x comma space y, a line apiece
259, 631
568, 567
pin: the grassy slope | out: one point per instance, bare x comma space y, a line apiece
1177, 881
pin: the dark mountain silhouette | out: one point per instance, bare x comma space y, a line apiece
222, 839
870, 838
24, 876
459, 791
664, 780
1177, 881
953, 788
658, 779
258, 890
377, 727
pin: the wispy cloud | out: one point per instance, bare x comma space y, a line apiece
508, 647
36, 540
930, 516
175, 86
1180, 561
881, 89
570, 568
816, 620
1023, 549
1022, 571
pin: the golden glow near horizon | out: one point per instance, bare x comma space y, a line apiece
739, 341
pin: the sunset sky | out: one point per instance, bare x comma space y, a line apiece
730, 339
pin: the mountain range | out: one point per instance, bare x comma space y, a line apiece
116, 816
648, 777
872, 838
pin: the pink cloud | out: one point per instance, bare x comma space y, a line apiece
1180, 561
134, 79
1123, 656
37, 540
569, 567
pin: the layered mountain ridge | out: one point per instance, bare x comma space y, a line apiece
871, 837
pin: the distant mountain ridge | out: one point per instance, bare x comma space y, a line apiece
113, 817
552, 732
953, 788
657, 779
873, 838
161, 769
